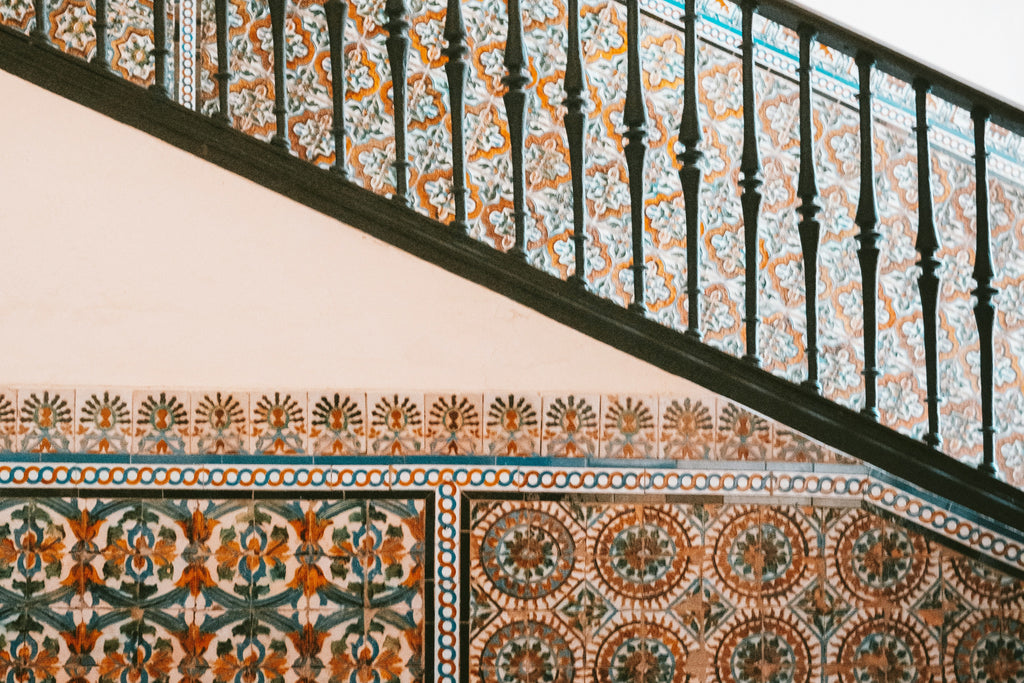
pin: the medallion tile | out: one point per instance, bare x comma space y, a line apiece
876, 646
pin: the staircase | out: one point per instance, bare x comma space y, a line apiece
685, 183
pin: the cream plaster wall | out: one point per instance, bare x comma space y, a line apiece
126, 261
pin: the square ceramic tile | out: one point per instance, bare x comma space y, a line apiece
161, 422
46, 421
687, 428
337, 423
104, 420
396, 424
512, 424
454, 424
791, 446
571, 425
742, 434
220, 422
629, 426
8, 420
277, 422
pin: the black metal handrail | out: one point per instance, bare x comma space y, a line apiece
809, 26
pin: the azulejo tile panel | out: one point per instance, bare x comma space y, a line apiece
585, 589
131, 587
585, 428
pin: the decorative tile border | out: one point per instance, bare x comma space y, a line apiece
564, 427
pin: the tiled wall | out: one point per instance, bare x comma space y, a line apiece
143, 589
607, 427
591, 591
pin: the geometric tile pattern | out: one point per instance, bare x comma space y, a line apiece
631, 429
589, 590
133, 588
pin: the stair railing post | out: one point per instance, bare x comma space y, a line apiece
575, 133
634, 117
690, 173
397, 43
868, 238
807, 190
99, 59
337, 17
985, 292
278, 8
41, 27
457, 54
928, 247
223, 75
750, 167
159, 51
515, 80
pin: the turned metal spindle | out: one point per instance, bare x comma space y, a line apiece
690, 172
397, 44
985, 292
928, 281
337, 16
220, 8
457, 54
159, 51
750, 166
575, 133
277, 14
515, 81
100, 27
868, 238
41, 27
634, 116
807, 191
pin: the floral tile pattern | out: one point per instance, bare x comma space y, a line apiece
454, 424
104, 421
278, 423
571, 426
46, 421
629, 426
190, 589
162, 422
224, 422
220, 422
679, 591
742, 434
338, 423
512, 424
687, 428
396, 424
8, 420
